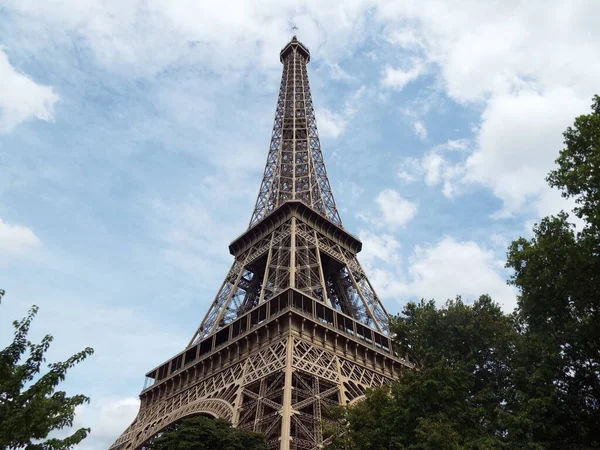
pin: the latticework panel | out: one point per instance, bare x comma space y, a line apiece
252, 394
215, 394
277, 277
295, 255
262, 403
295, 169
319, 380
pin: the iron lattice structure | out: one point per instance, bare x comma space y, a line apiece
296, 327
295, 169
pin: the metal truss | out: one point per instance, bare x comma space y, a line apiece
295, 169
285, 390
298, 256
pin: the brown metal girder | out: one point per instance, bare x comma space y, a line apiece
287, 310
305, 213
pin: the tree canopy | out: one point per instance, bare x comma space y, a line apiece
456, 398
30, 406
558, 276
486, 379
203, 433
578, 171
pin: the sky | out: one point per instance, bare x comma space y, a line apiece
133, 135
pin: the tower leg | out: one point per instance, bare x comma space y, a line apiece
286, 411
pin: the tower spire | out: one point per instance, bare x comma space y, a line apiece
295, 169
296, 327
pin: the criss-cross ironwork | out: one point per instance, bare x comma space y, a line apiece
295, 169
296, 327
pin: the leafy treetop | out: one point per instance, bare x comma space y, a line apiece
30, 406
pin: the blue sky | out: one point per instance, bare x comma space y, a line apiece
133, 135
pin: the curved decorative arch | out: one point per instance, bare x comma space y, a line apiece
360, 398
217, 408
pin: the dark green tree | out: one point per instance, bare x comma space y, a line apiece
203, 433
557, 375
578, 172
456, 399
30, 406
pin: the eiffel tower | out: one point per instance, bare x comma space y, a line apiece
296, 327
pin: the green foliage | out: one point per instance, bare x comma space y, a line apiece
456, 400
578, 172
203, 433
558, 275
30, 406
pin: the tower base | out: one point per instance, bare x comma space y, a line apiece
278, 376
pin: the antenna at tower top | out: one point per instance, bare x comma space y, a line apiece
294, 28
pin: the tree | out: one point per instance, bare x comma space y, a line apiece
578, 172
456, 399
557, 388
30, 406
203, 433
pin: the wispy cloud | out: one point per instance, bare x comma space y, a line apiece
16, 240
420, 129
394, 211
444, 270
21, 98
337, 73
398, 78
331, 124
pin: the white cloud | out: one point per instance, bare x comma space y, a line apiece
514, 150
383, 247
444, 270
395, 210
21, 98
432, 166
438, 171
330, 124
16, 240
419, 107
409, 170
465, 268
497, 47
397, 79
108, 418
519, 138
337, 73
420, 129
406, 38
135, 36
522, 67
435, 169
453, 145
350, 188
